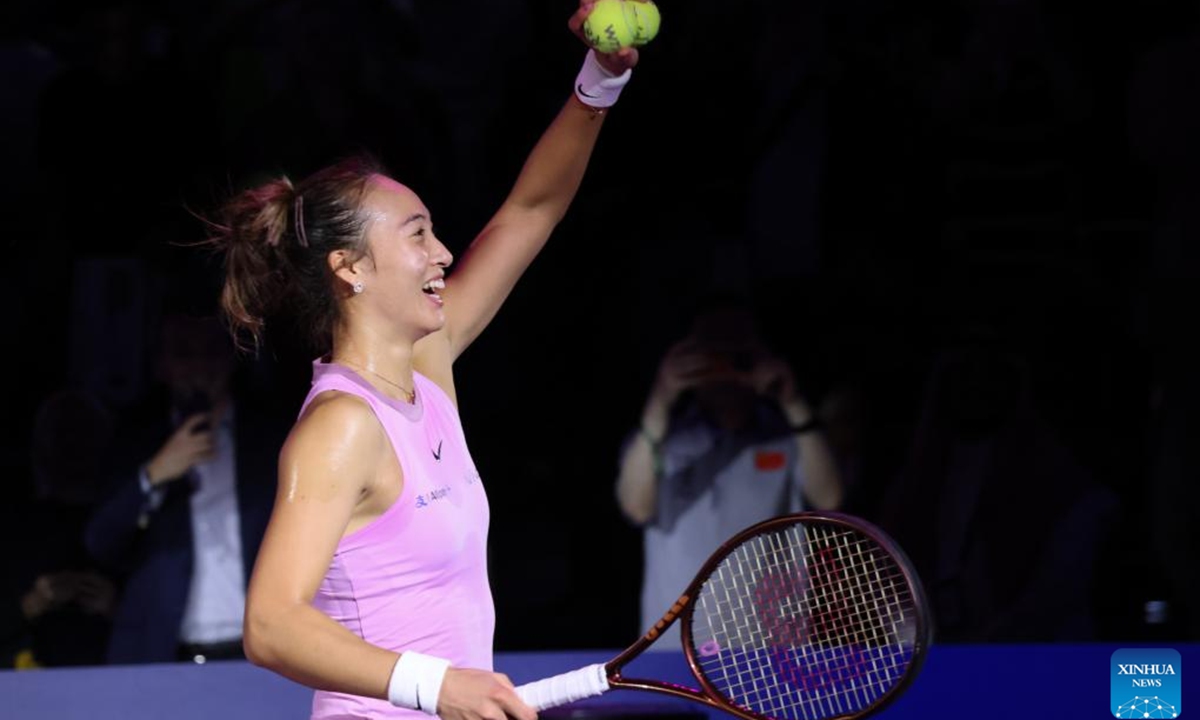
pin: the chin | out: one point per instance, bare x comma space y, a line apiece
429, 328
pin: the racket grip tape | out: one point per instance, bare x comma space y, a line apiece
568, 687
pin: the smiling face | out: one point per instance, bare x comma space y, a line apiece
403, 272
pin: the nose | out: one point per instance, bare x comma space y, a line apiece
441, 255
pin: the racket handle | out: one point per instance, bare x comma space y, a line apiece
568, 687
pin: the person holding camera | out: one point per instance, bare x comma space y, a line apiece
725, 441
192, 486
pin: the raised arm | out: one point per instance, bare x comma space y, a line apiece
549, 179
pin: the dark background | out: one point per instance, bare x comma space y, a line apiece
892, 181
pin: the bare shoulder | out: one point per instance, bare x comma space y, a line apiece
337, 440
337, 416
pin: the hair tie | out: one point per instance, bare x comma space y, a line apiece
299, 221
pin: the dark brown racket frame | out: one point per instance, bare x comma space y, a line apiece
683, 609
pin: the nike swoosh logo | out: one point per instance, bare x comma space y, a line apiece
581, 91
437, 454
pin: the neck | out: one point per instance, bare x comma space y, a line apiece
388, 368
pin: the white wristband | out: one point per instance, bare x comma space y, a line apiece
416, 681
596, 86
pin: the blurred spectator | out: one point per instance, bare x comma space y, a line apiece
57, 605
1001, 521
725, 441
194, 481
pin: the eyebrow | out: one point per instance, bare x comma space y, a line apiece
413, 218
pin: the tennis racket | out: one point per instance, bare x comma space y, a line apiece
810, 616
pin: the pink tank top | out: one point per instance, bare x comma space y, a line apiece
415, 578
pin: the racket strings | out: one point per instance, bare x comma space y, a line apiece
818, 684
849, 615
859, 619
810, 622
835, 627
851, 606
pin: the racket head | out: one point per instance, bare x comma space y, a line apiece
810, 616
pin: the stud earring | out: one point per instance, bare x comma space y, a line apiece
358, 287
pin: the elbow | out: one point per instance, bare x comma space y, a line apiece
253, 650
254, 644
258, 633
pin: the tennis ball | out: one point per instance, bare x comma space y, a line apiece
643, 17
607, 28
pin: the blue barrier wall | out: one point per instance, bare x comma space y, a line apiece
970, 681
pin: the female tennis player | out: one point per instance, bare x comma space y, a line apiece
371, 585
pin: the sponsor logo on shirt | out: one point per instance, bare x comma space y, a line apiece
425, 499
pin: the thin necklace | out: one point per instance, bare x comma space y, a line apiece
410, 396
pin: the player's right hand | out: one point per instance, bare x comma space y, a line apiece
480, 695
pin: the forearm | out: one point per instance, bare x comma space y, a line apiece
301, 643
540, 197
641, 466
637, 483
822, 479
554, 169
499, 255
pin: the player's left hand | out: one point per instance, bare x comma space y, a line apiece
617, 62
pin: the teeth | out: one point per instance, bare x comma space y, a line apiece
438, 284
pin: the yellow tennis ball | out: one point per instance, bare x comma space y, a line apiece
644, 18
606, 27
